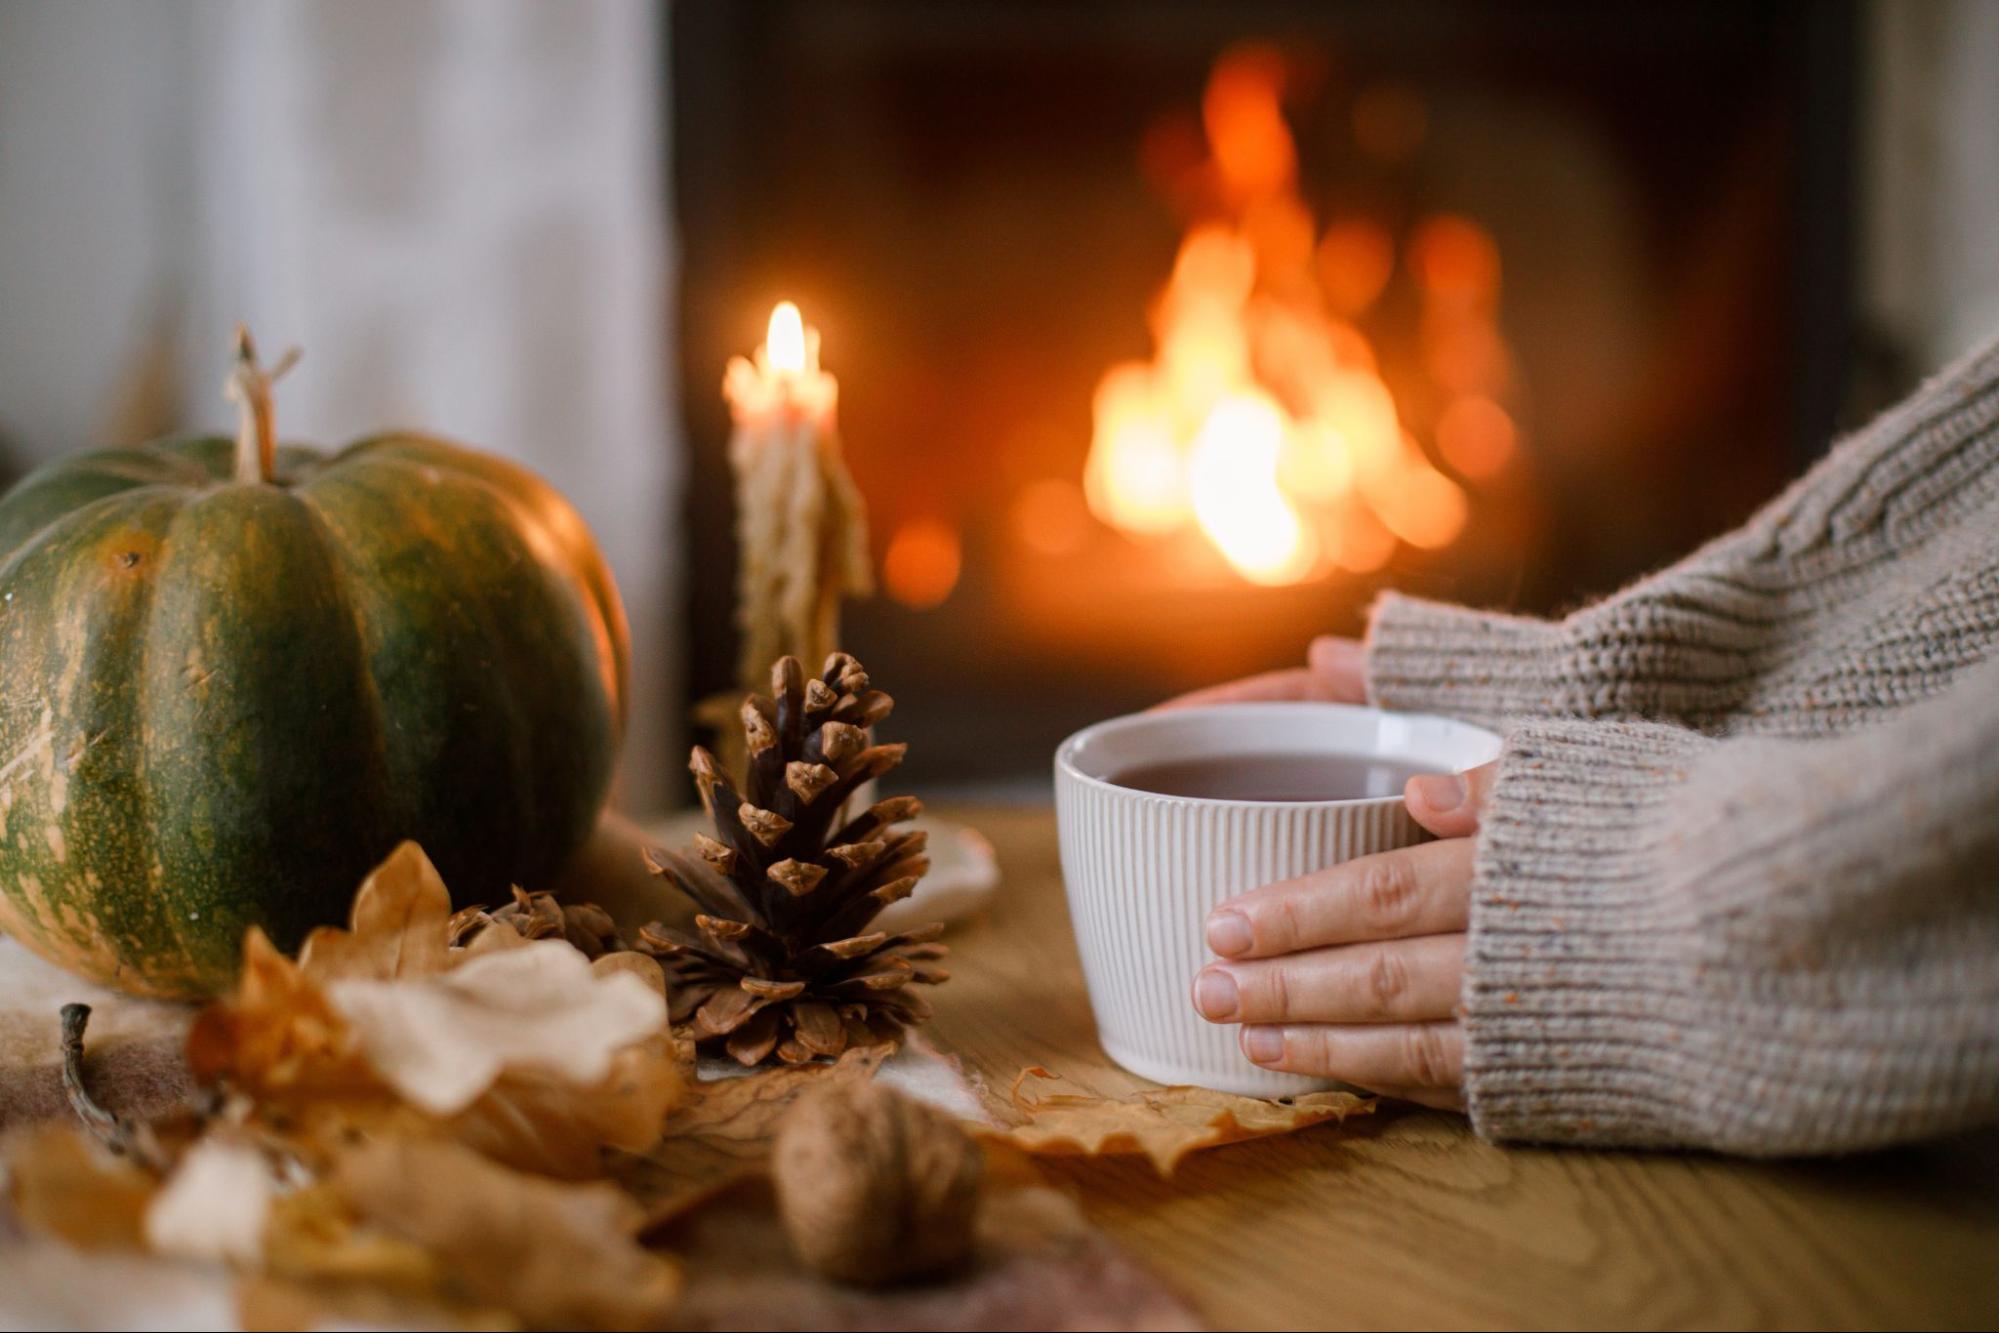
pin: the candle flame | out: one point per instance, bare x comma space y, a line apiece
784, 375
784, 340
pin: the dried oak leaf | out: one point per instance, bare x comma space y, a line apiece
62, 1184
311, 1235
272, 1303
726, 1130
522, 1050
325, 1267
543, 1124
397, 928
441, 1041
559, 1129
215, 1205
1162, 1125
555, 1254
277, 1039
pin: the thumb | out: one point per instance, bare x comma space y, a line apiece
1450, 804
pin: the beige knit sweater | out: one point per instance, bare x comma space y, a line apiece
1738, 885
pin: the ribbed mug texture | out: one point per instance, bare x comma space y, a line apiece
1144, 870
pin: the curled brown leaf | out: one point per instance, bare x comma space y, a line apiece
1163, 1125
398, 926
276, 1038
60, 1183
555, 1254
525, 1051
441, 1041
725, 1130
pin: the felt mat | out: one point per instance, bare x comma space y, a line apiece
132, 1050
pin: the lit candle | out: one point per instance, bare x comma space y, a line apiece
801, 530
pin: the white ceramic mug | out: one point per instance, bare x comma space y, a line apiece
1144, 870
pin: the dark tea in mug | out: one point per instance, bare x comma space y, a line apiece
1272, 777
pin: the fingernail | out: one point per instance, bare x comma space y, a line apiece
1265, 1046
1228, 933
1442, 792
1215, 994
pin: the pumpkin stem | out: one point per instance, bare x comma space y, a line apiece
249, 387
121, 1136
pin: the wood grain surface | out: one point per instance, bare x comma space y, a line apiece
1405, 1219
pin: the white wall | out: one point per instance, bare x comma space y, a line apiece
456, 207
1930, 181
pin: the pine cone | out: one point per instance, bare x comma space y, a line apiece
538, 916
783, 962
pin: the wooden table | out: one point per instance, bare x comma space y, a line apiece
1405, 1219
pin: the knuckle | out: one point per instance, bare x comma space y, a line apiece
1281, 928
1387, 981
1424, 1053
1267, 996
1387, 892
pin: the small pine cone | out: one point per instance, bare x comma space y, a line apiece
874, 1187
538, 916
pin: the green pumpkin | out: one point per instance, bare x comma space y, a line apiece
233, 677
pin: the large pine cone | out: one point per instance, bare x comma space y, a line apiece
783, 963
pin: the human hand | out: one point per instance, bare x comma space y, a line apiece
1335, 671
1354, 972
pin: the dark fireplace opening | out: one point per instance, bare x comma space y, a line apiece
1647, 208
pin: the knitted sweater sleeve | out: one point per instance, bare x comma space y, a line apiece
1871, 583
1754, 944
1738, 882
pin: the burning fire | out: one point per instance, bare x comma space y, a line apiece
1262, 421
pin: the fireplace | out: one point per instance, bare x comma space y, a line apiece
1168, 334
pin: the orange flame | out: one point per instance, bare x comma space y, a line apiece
1261, 421
1237, 498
